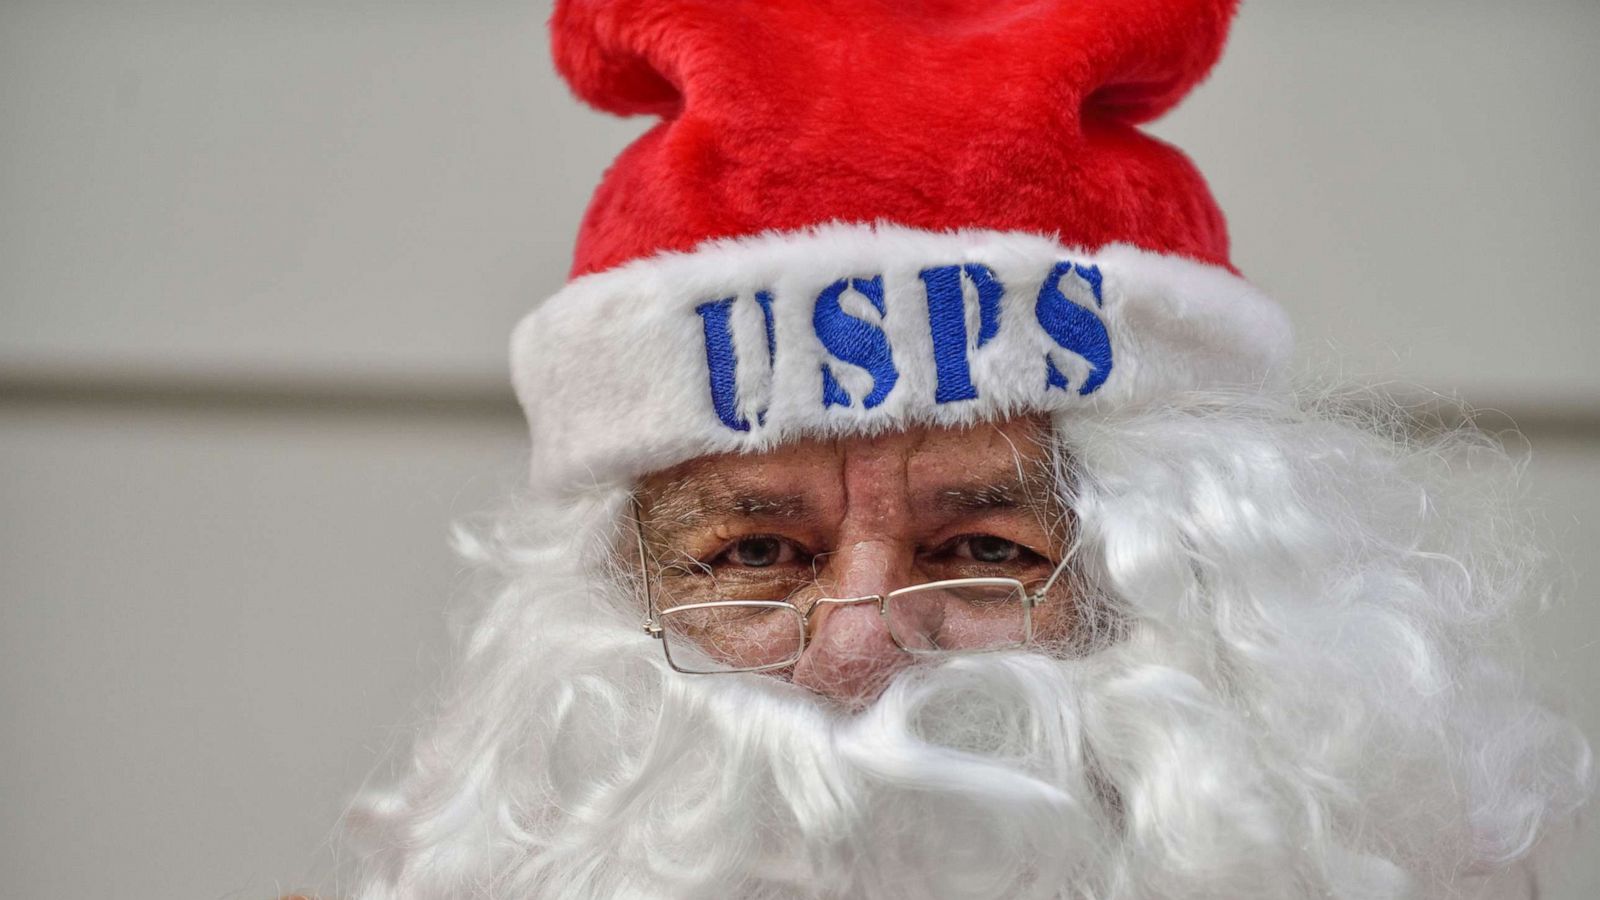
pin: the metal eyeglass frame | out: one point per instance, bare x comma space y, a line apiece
652, 622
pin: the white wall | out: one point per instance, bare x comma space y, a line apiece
258, 263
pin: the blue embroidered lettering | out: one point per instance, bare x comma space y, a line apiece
721, 362
1073, 327
854, 341
833, 393
947, 321
990, 290
765, 299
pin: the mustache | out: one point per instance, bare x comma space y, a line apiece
994, 744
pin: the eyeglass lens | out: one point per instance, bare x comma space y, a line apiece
976, 616
720, 637
725, 636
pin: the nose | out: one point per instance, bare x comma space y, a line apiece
849, 655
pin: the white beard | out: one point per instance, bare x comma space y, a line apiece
1300, 706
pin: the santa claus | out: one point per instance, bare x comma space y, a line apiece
920, 508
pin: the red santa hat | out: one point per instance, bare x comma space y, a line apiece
858, 215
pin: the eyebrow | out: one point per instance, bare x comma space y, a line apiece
692, 502
1013, 490
983, 498
689, 504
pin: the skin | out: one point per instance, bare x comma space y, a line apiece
851, 518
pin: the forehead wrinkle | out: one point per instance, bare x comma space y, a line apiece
1008, 478
701, 495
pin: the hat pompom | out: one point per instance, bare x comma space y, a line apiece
1150, 53
1131, 60
612, 57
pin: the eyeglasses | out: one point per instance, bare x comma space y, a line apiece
940, 618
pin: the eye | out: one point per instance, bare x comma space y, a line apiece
758, 552
986, 548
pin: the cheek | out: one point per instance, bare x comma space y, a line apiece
751, 642
976, 632
757, 647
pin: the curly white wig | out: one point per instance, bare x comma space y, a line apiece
1297, 679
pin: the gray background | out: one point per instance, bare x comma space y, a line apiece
259, 262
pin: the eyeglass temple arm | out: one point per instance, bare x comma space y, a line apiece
651, 626
1040, 594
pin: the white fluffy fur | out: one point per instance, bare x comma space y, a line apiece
1301, 693
612, 370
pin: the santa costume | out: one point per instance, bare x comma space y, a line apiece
857, 216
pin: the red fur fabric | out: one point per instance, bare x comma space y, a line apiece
1012, 115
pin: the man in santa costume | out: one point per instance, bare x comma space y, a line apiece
920, 507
